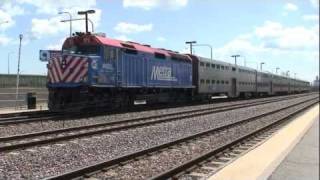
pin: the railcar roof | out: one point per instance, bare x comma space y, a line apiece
130, 45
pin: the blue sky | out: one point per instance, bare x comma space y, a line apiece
282, 34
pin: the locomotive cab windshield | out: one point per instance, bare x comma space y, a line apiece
91, 50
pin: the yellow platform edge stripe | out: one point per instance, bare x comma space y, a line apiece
259, 163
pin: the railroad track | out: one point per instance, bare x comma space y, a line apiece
45, 115
146, 163
48, 137
25, 117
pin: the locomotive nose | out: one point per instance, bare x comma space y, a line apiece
68, 69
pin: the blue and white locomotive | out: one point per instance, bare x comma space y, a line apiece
98, 71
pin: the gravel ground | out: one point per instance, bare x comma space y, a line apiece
14, 129
165, 160
54, 159
37, 138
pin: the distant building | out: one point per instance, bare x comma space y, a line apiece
315, 84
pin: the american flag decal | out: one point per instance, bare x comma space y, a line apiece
67, 69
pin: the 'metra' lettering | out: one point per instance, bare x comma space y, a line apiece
162, 73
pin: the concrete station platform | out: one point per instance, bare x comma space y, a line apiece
42, 106
290, 154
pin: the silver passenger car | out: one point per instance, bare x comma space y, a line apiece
214, 77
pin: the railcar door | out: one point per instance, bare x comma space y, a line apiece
107, 72
234, 87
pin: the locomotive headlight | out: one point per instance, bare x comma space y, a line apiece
84, 79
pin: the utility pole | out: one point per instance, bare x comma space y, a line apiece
206, 45
86, 16
261, 66
191, 44
235, 58
18, 71
70, 17
78, 19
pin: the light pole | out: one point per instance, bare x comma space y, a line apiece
287, 74
86, 16
18, 71
78, 19
191, 44
261, 66
235, 58
277, 70
206, 45
9, 61
70, 17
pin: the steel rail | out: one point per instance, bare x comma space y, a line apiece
29, 135
89, 170
180, 168
29, 117
25, 144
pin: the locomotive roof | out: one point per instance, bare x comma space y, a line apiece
95, 39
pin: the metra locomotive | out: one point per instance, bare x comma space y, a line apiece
98, 71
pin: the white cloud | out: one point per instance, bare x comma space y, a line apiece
42, 27
53, 26
151, 4
56, 46
7, 13
275, 35
311, 17
290, 7
54, 6
130, 28
5, 20
161, 39
271, 42
315, 3
4, 40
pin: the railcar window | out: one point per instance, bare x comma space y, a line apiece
202, 81
218, 82
222, 82
213, 65
227, 67
227, 82
213, 81
208, 65
110, 54
222, 67
201, 64
233, 69
218, 66
207, 81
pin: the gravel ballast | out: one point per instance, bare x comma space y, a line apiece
24, 128
165, 160
44, 161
